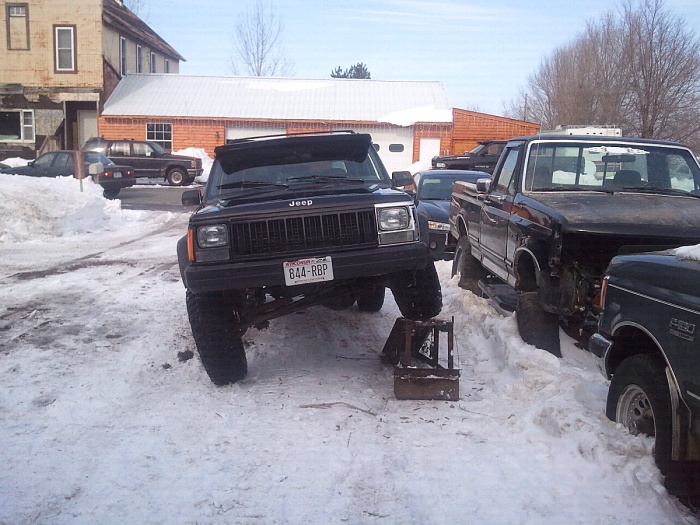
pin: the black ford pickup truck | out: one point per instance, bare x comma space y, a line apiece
288, 222
539, 237
482, 158
647, 341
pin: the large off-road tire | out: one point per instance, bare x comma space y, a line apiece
639, 398
371, 299
467, 267
418, 295
537, 327
177, 177
218, 341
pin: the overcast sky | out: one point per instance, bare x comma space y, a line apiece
483, 52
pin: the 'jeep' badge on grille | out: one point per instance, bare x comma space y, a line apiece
308, 202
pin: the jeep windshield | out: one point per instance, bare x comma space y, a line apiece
288, 163
611, 167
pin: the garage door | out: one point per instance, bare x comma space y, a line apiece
242, 132
395, 146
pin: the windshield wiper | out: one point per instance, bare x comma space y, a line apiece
662, 191
323, 178
251, 184
575, 188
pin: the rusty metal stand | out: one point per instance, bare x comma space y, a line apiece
432, 381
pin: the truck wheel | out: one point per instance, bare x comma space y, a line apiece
639, 398
177, 177
537, 327
371, 299
418, 295
110, 194
467, 267
218, 341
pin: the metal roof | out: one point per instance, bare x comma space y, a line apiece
279, 98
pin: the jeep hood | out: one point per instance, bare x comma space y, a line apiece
631, 214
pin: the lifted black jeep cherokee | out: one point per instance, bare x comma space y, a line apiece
287, 222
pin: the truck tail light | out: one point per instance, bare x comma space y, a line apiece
603, 289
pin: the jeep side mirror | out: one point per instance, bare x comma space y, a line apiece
191, 198
400, 179
483, 185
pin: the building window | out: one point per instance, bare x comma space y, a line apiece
139, 60
122, 56
167, 65
64, 43
17, 126
153, 62
17, 26
161, 134
396, 148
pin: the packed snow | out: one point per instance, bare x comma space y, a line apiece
105, 419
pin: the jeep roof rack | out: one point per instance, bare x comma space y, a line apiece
298, 134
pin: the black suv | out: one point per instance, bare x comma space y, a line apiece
149, 159
288, 222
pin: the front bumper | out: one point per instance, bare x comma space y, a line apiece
599, 345
354, 264
114, 184
437, 244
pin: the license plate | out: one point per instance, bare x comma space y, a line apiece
304, 271
117, 174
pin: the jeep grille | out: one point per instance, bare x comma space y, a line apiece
303, 233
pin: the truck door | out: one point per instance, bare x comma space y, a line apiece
495, 215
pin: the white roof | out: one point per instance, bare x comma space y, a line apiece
279, 98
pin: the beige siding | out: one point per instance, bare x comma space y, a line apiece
35, 67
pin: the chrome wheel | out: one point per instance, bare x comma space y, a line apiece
635, 412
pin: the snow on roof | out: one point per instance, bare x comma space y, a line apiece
277, 98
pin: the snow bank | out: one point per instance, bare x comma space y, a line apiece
688, 252
33, 207
199, 153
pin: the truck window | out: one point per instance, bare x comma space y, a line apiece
505, 182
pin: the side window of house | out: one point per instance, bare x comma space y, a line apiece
153, 63
160, 133
17, 17
506, 182
139, 60
122, 55
17, 125
64, 48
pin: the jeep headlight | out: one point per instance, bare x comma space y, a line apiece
396, 224
391, 219
212, 236
439, 226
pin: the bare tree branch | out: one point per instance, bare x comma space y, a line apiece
257, 44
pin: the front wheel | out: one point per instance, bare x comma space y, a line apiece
418, 295
371, 299
177, 177
537, 327
218, 341
639, 398
467, 267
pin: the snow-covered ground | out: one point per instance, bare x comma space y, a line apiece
102, 423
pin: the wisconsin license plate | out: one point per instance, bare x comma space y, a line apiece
305, 271
117, 174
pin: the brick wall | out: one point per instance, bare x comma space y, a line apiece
470, 127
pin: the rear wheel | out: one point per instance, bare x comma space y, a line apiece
537, 327
371, 299
467, 267
418, 295
218, 341
639, 398
177, 177
110, 194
